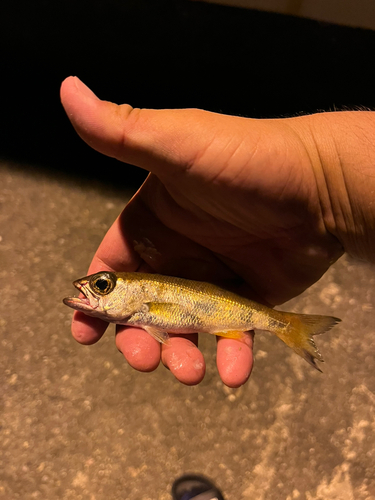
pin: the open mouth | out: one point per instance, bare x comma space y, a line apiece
83, 302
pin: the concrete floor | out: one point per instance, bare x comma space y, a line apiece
78, 423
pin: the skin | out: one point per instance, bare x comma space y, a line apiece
263, 207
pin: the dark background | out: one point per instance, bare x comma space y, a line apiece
166, 54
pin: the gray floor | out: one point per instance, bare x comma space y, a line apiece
78, 423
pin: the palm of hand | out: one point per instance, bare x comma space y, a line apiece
261, 230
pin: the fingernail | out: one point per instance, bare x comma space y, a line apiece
83, 89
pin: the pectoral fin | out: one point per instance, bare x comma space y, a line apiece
158, 334
164, 313
163, 316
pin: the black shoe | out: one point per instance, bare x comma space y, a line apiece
195, 487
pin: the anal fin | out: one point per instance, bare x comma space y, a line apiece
230, 334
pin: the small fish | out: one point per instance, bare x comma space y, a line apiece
161, 304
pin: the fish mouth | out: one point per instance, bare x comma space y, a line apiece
86, 301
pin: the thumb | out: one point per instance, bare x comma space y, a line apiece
150, 139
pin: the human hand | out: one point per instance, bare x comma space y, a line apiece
231, 200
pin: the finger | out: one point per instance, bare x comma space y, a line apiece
164, 250
235, 360
140, 350
183, 358
86, 329
151, 139
116, 251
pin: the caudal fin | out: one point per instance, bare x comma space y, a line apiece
299, 331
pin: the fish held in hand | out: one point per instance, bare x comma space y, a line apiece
162, 304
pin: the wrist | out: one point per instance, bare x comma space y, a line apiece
341, 147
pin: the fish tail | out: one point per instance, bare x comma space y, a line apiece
298, 334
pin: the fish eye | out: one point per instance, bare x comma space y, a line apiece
103, 284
